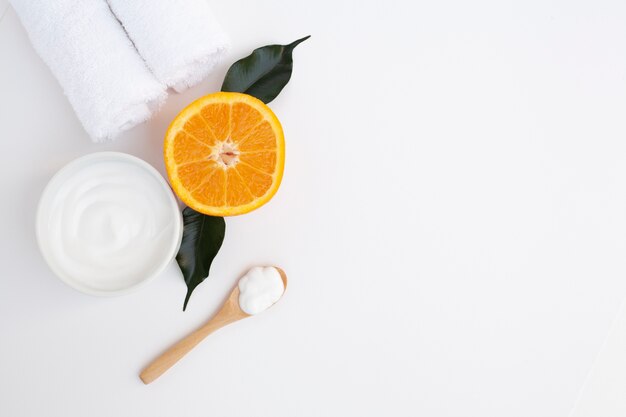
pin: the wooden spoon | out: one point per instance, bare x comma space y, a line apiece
229, 313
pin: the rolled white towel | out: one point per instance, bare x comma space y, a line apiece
180, 40
101, 73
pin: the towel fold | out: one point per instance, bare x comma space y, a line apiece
101, 73
180, 40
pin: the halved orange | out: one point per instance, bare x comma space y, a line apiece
225, 154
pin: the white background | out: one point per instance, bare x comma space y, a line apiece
603, 392
452, 221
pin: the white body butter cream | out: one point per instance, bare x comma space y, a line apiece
108, 222
261, 287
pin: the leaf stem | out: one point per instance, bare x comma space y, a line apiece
189, 291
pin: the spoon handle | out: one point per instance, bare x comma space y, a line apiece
180, 349
175, 353
230, 312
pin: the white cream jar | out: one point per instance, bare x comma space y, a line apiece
107, 223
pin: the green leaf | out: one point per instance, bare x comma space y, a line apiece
202, 238
263, 73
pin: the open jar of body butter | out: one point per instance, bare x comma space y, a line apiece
107, 223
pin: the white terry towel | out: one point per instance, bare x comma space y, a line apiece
180, 40
101, 73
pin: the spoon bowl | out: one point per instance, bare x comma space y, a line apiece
283, 276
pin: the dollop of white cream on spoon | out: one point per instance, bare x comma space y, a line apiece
261, 287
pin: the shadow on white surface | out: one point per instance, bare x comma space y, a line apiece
604, 391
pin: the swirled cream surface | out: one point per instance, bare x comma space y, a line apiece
107, 222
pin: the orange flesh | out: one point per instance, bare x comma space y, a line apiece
224, 154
